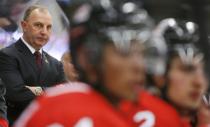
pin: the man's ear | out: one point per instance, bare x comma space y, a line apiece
23, 25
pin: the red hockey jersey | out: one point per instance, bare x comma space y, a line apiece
71, 105
151, 111
3, 123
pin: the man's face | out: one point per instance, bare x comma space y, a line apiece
37, 28
124, 74
187, 84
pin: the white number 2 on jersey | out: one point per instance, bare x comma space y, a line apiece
147, 116
84, 122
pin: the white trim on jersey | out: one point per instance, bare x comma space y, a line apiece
70, 87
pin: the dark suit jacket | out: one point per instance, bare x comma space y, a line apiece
18, 69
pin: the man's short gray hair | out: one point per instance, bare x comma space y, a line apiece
30, 9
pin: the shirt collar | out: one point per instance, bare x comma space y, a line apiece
29, 46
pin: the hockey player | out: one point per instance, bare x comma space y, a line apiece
185, 82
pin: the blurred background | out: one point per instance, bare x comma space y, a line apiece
12, 11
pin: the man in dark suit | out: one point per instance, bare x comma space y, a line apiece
24, 67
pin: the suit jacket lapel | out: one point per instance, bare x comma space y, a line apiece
26, 54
